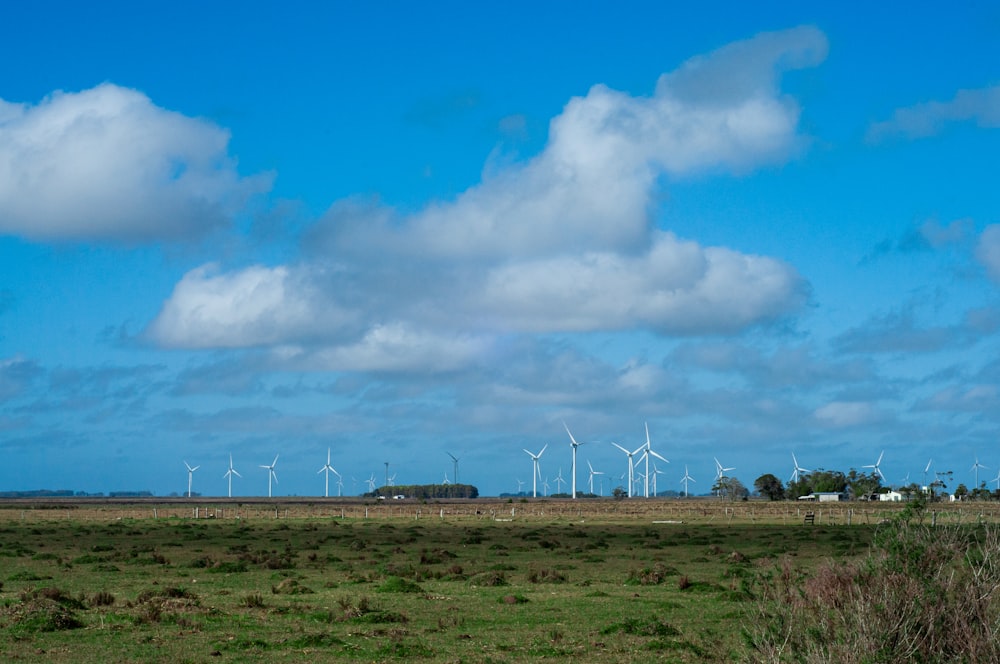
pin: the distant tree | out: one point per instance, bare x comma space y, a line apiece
770, 487
862, 484
730, 487
961, 491
619, 493
940, 484
736, 489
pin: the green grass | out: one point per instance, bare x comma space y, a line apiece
180, 590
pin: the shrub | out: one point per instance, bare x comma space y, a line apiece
921, 594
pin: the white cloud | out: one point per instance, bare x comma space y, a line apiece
107, 163
981, 106
988, 251
251, 307
675, 288
564, 242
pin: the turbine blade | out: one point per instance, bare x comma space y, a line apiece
621, 448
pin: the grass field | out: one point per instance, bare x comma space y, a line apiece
482, 582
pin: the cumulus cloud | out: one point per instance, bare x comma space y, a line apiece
106, 163
563, 242
255, 306
981, 106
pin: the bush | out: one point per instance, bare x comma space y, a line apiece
921, 594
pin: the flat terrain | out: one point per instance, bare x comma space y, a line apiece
484, 581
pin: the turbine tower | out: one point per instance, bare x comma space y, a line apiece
649, 452
574, 445
271, 474
797, 469
684, 480
591, 480
455, 460
190, 473
631, 465
536, 471
229, 474
976, 466
327, 468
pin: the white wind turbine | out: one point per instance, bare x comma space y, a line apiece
271, 474
455, 460
229, 474
649, 452
536, 470
591, 480
371, 483
875, 466
327, 468
559, 481
997, 479
574, 445
190, 473
976, 466
656, 471
446, 482
927, 468
720, 471
520, 486
684, 480
631, 465
545, 486
797, 468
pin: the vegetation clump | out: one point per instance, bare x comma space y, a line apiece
923, 593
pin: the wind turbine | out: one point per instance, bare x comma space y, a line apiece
446, 482
230, 473
545, 486
684, 480
926, 468
327, 469
520, 484
656, 471
631, 465
271, 474
997, 479
976, 466
591, 480
559, 481
649, 451
720, 472
875, 466
190, 473
455, 460
797, 469
574, 445
371, 483
537, 471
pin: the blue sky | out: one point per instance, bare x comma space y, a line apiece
401, 231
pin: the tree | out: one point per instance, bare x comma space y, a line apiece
619, 493
961, 491
731, 488
770, 487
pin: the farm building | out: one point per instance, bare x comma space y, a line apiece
891, 496
824, 496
